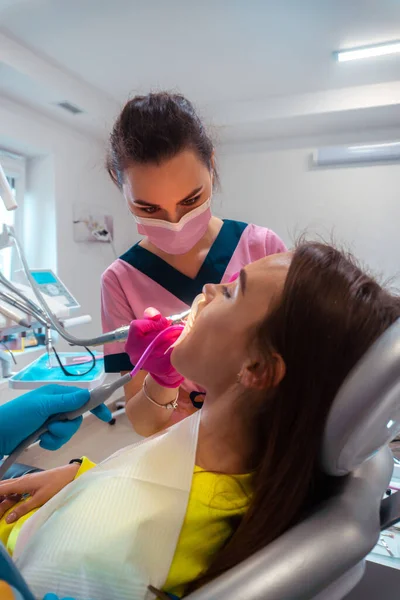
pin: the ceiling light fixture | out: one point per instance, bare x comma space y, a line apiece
367, 51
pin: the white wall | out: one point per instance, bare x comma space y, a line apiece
65, 168
39, 213
279, 190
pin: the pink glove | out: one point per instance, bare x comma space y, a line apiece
142, 333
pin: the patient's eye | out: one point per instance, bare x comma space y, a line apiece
226, 291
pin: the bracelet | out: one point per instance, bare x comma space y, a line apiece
170, 406
78, 461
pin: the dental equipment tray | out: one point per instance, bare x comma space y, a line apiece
38, 373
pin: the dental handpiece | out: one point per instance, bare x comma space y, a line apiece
97, 396
121, 334
12, 316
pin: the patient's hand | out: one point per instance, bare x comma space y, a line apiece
41, 487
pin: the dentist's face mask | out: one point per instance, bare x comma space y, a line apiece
167, 200
180, 237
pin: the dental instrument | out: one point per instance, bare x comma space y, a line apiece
12, 316
12, 288
97, 396
49, 346
22, 307
6, 362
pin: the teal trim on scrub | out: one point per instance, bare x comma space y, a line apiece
116, 363
197, 399
175, 282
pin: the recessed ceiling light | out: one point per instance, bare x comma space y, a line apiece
368, 51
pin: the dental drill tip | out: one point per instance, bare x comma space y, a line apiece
178, 318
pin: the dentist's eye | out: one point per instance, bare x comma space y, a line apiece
191, 201
150, 210
226, 292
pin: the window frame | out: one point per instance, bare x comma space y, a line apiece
14, 167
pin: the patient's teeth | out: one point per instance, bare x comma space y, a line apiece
191, 318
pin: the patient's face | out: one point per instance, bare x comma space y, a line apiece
217, 347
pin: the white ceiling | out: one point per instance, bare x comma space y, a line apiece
246, 63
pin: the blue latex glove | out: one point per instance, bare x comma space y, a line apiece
22, 416
54, 597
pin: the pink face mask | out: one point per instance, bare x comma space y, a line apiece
177, 238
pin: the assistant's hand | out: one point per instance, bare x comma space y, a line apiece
41, 487
141, 333
21, 417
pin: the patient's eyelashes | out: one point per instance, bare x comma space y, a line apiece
226, 291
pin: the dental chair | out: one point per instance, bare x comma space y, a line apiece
323, 557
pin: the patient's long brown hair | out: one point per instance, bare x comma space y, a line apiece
329, 314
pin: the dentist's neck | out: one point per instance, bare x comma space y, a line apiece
225, 436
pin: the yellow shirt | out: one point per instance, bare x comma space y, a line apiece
215, 501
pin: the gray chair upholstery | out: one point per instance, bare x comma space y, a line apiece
322, 558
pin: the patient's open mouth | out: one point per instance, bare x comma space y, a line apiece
197, 303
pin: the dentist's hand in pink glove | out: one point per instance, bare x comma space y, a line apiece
142, 333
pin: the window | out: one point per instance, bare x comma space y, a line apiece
14, 168
7, 217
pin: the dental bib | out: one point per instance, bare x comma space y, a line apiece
114, 530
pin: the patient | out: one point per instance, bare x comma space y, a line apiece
272, 349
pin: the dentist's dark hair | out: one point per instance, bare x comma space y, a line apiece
154, 128
329, 314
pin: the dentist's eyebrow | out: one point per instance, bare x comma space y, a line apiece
147, 204
193, 193
243, 280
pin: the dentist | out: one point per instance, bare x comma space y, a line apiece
162, 160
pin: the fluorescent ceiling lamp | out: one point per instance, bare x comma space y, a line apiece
346, 155
368, 51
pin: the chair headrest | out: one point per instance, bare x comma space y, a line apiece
365, 414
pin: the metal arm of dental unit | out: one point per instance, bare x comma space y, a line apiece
43, 311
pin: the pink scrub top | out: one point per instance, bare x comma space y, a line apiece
139, 279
